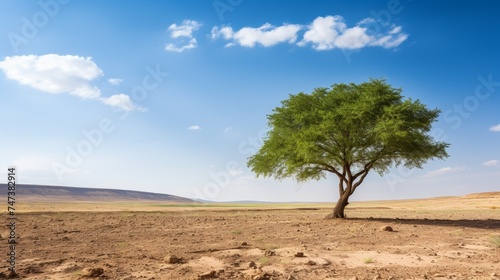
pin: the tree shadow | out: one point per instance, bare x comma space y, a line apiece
480, 224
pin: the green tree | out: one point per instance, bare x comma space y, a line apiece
347, 130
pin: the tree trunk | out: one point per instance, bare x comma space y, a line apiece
338, 211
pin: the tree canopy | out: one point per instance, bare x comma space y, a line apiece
347, 130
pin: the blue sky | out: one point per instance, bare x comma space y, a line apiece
172, 96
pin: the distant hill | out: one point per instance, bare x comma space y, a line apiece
41, 193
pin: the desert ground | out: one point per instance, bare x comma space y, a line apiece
442, 238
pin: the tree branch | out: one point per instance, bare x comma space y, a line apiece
331, 169
365, 168
328, 151
360, 181
341, 187
369, 165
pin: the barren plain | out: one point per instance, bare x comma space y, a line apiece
440, 238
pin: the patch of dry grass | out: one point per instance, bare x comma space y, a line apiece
495, 241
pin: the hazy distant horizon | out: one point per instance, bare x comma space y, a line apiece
20, 186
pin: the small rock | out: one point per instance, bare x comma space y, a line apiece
311, 262
244, 243
252, 264
354, 278
377, 277
208, 275
291, 277
386, 228
299, 255
172, 259
270, 253
92, 272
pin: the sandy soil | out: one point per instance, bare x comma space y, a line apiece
181, 243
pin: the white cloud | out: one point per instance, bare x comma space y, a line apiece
326, 33
495, 128
54, 73
267, 35
226, 32
353, 38
323, 32
390, 41
396, 30
185, 29
58, 74
115, 81
122, 101
491, 163
194, 127
227, 129
184, 34
174, 48
445, 171
86, 92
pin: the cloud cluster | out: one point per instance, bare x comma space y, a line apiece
184, 34
324, 33
59, 74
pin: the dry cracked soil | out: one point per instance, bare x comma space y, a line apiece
252, 243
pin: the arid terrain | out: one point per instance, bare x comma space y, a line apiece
441, 238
